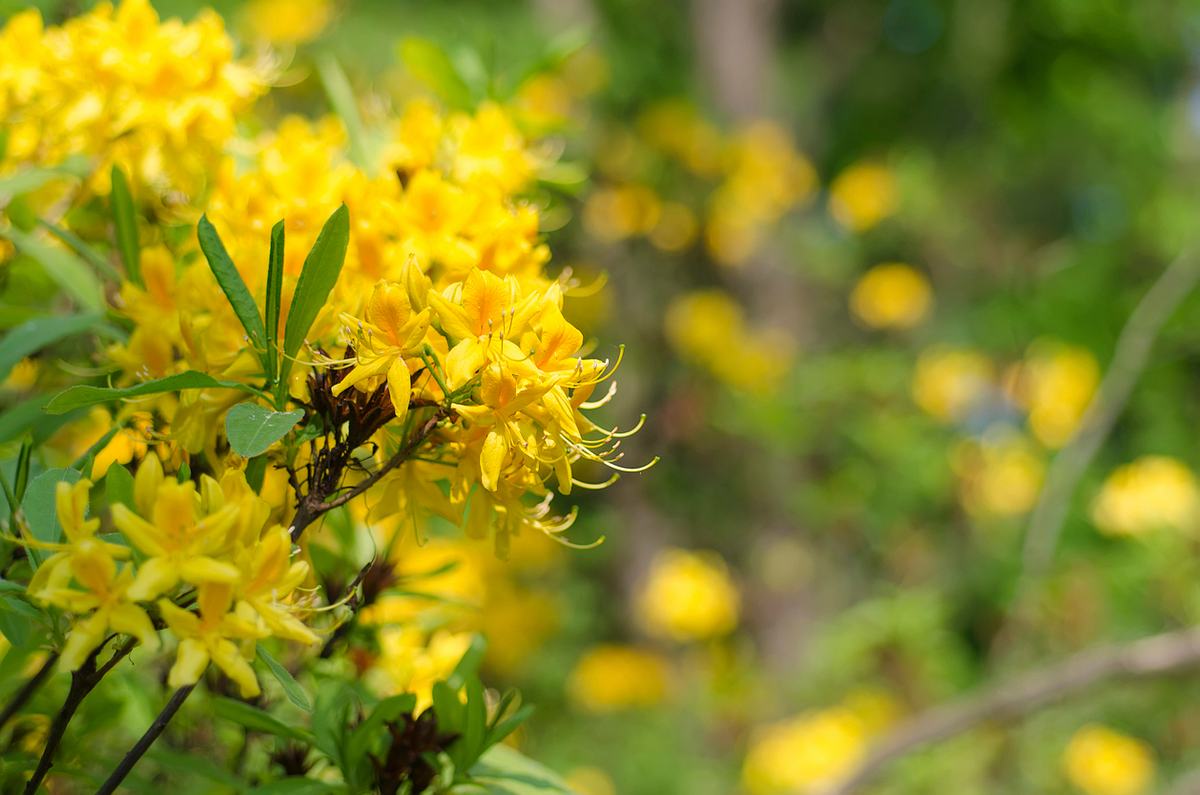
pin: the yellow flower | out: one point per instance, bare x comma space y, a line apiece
1055, 384
209, 637
709, 328
590, 781
179, 545
610, 678
999, 475
23, 375
1152, 493
1101, 761
82, 551
269, 577
804, 754
949, 382
891, 296
620, 212
688, 596
412, 661
287, 21
389, 331
862, 196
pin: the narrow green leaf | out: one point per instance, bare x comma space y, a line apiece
256, 472
21, 474
86, 395
345, 105
429, 64
321, 269
471, 744
231, 283
468, 666
28, 179
125, 221
19, 418
291, 687
252, 429
257, 719
295, 785
118, 486
274, 299
39, 507
196, 766
67, 270
85, 252
33, 335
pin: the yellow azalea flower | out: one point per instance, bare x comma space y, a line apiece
82, 549
389, 332
490, 150
999, 475
108, 605
270, 576
950, 382
609, 678
805, 754
1151, 493
1055, 384
180, 545
287, 21
1101, 761
412, 661
209, 637
892, 295
863, 195
23, 375
688, 596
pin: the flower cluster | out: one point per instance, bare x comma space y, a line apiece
117, 85
1102, 761
210, 547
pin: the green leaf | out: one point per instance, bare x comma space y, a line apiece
321, 269
291, 687
20, 417
295, 785
468, 666
231, 283
118, 485
430, 64
40, 510
257, 719
17, 620
67, 270
33, 178
274, 299
342, 98
125, 221
196, 766
504, 771
252, 429
86, 252
86, 395
367, 734
256, 472
33, 335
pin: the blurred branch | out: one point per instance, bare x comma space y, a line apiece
1128, 362
1160, 655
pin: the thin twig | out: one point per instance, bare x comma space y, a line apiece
1160, 655
1129, 360
22, 696
142, 745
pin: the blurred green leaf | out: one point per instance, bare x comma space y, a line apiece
85, 252
29, 179
291, 687
67, 270
505, 771
341, 97
118, 485
86, 395
429, 63
33, 335
259, 720
125, 221
39, 507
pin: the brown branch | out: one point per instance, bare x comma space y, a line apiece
1160, 655
139, 749
312, 506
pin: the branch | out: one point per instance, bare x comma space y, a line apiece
1129, 360
142, 745
1155, 656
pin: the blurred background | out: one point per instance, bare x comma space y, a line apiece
871, 260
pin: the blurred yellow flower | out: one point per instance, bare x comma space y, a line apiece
688, 596
590, 781
411, 661
609, 678
1055, 384
619, 212
23, 375
675, 229
892, 295
862, 196
949, 382
804, 754
1152, 493
999, 475
287, 21
1101, 761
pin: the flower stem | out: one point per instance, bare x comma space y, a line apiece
142, 745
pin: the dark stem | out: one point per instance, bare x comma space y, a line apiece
141, 746
83, 681
22, 696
